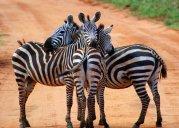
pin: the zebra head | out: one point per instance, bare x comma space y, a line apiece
63, 36
89, 28
104, 40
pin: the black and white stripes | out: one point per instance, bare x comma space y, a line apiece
135, 65
86, 49
63, 36
32, 63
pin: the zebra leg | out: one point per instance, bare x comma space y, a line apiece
91, 105
100, 100
82, 103
156, 98
69, 96
81, 110
25, 87
79, 79
142, 93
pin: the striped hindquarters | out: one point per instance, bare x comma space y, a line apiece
134, 62
91, 69
31, 60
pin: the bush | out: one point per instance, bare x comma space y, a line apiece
165, 10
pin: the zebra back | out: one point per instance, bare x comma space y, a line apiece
32, 60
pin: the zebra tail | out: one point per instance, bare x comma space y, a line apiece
163, 73
163, 70
72, 69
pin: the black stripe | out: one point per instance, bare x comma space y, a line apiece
19, 69
119, 51
19, 75
127, 67
138, 71
34, 61
26, 58
137, 77
42, 63
138, 81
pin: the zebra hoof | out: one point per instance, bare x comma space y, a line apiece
22, 126
27, 123
24, 123
104, 123
94, 117
89, 124
158, 125
82, 124
69, 125
106, 126
136, 126
100, 122
79, 118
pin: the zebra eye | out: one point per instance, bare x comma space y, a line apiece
62, 32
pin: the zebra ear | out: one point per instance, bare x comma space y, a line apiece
108, 30
96, 17
81, 17
69, 19
100, 27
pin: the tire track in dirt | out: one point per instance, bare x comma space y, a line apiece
42, 21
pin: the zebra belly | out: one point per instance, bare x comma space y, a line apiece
49, 82
118, 86
54, 84
119, 81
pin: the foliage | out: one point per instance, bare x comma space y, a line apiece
165, 10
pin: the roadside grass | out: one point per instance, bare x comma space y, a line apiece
164, 10
2, 38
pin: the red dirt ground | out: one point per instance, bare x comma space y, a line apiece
46, 107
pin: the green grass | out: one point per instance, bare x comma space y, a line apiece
165, 10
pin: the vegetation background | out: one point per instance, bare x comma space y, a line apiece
164, 10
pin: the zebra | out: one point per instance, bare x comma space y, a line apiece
62, 36
135, 65
89, 74
32, 64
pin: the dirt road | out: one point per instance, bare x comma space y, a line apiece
36, 19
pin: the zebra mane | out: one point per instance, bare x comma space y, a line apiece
88, 17
23, 42
74, 24
76, 42
100, 27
